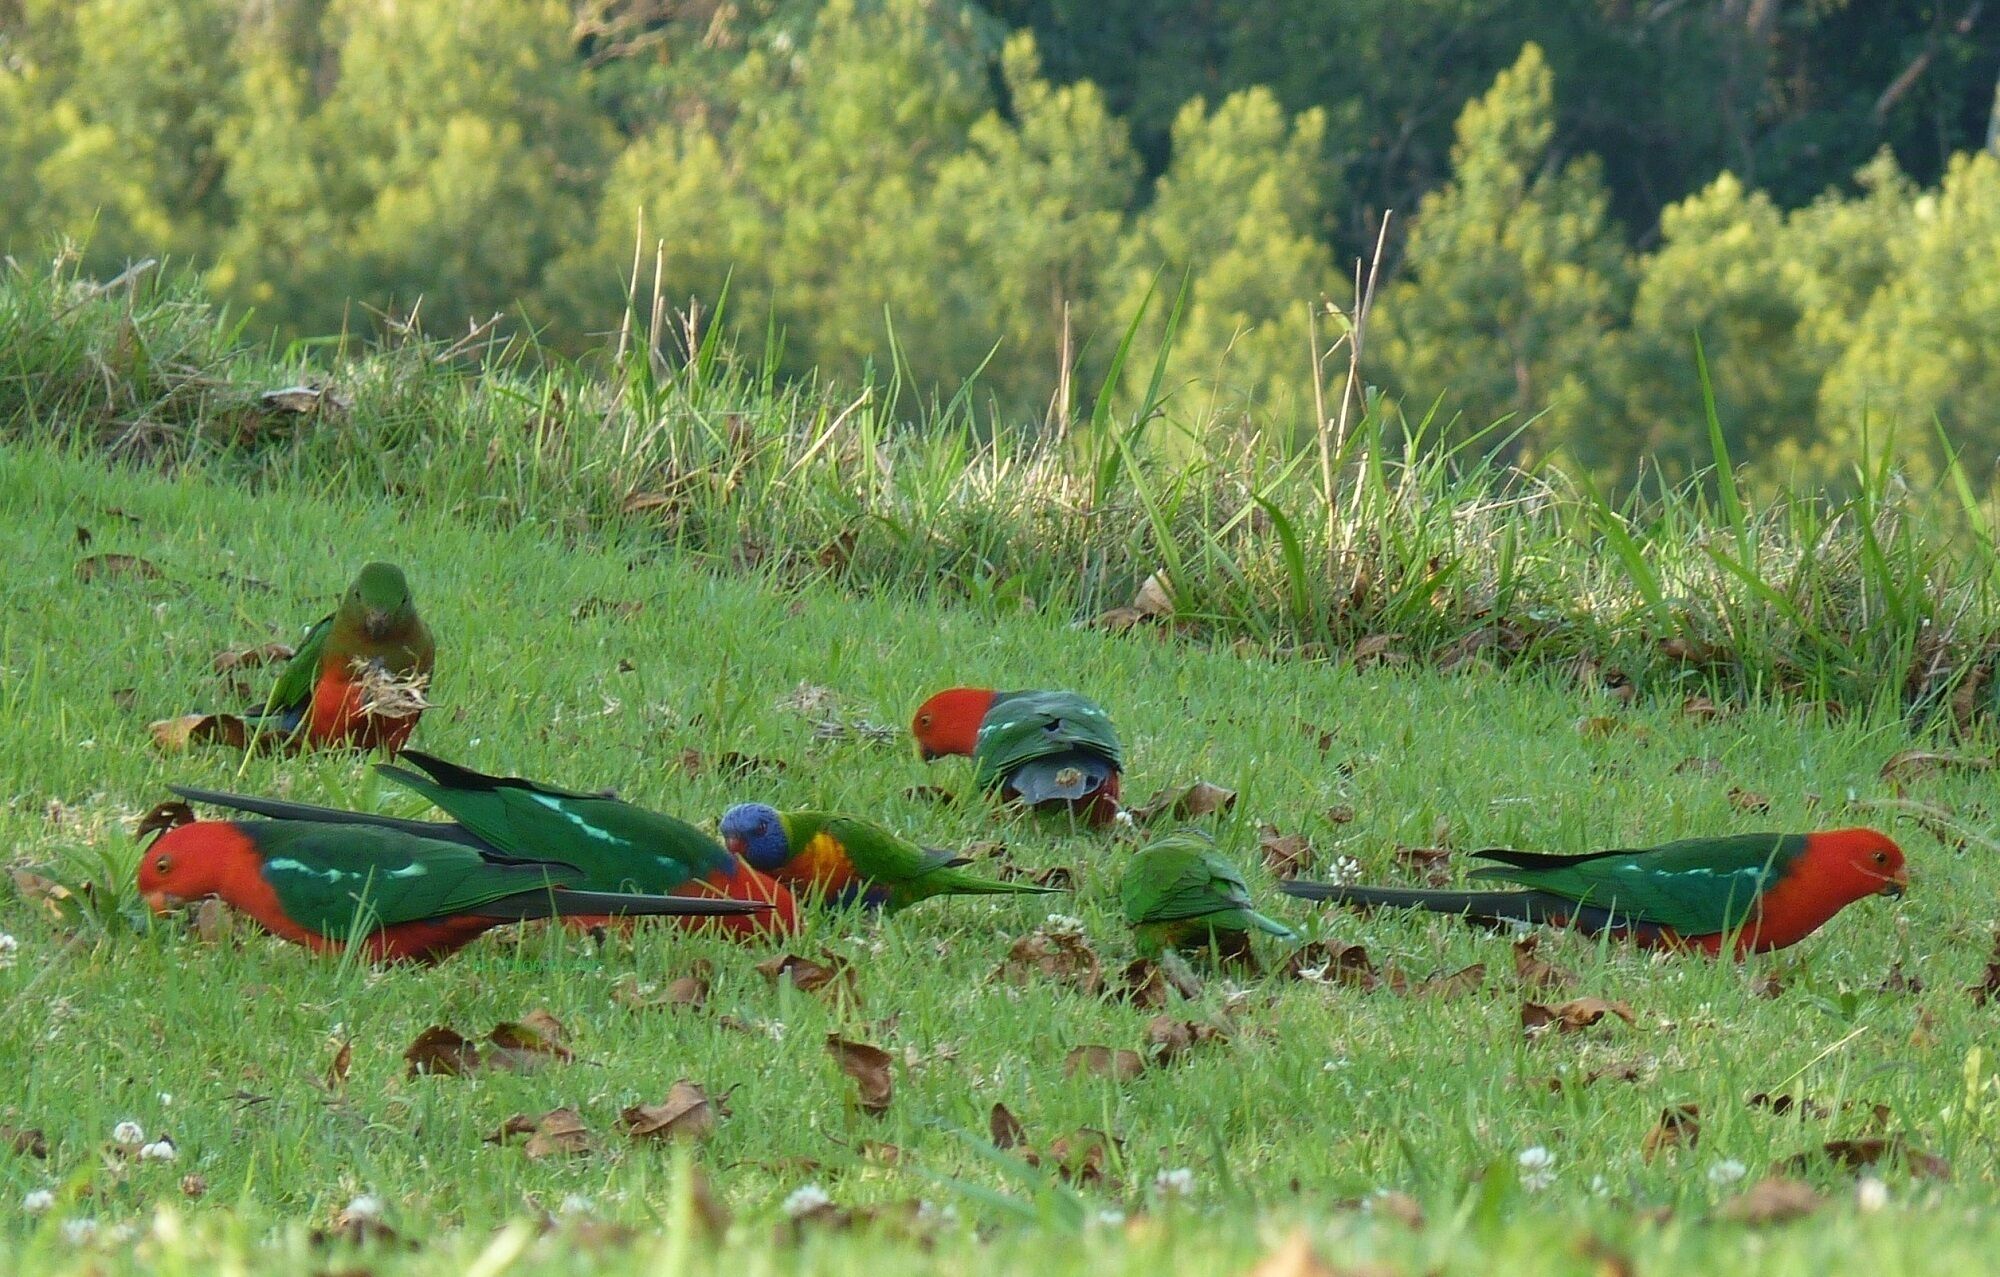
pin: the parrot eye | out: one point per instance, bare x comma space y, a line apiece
163, 863
1881, 857
923, 720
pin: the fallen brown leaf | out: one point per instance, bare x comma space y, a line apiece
1003, 1129
1774, 1199
1533, 971
807, 976
1285, 855
686, 1113
1431, 864
558, 1132
1781, 1105
214, 922
1167, 1039
1102, 1061
24, 1141
442, 1050
171, 735
1117, 620
1060, 955
520, 1046
193, 1186
1340, 814
335, 1077
1856, 1153
871, 1069
1748, 800
1155, 597
1185, 802
1083, 1158
1900, 981
164, 816
108, 567
1324, 963
1444, 987
244, 658
1988, 987
931, 794
1679, 1127
1145, 984
1572, 1016
1701, 709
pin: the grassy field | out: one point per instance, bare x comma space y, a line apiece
603, 665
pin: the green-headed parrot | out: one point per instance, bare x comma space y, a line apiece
1766, 891
1179, 892
374, 645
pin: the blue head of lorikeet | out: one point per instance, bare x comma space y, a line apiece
755, 833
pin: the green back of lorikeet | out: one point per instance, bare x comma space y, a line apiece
399, 640
1179, 888
1024, 726
1697, 886
618, 847
327, 878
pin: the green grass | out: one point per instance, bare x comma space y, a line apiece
1324, 1095
1873, 596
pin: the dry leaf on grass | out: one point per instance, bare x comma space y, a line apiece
520, 1046
1748, 800
243, 658
1285, 855
1533, 971
1003, 1129
172, 735
1117, 1064
686, 1113
1059, 954
1774, 1199
163, 816
1679, 1127
871, 1068
1572, 1016
112, 567
830, 972
559, 1132
1185, 802
1909, 764
24, 1141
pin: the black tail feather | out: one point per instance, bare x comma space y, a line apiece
563, 903
450, 775
1487, 908
279, 809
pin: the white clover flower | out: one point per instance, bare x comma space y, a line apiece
128, 1132
1062, 924
166, 1099
10, 949
160, 1150
575, 1204
1178, 1182
1726, 1172
1345, 870
79, 1232
1538, 1168
1599, 1186
1124, 818
1870, 1195
367, 1206
38, 1202
806, 1199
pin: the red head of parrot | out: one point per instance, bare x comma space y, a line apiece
948, 723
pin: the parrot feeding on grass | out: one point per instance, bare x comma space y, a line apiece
1042, 749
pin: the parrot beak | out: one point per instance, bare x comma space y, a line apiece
376, 623
1896, 885
927, 754
737, 848
162, 902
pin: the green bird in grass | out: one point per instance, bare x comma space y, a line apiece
1179, 892
847, 860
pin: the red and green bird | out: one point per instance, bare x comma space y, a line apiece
616, 846
1754, 892
374, 636
405, 898
845, 860
1179, 892
1043, 749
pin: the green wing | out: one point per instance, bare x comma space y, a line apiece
618, 847
1024, 726
327, 876
1180, 876
877, 853
1697, 886
296, 680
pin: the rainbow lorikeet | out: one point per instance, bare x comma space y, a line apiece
1179, 892
615, 845
358, 676
1757, 892
1037, 748
847, 860
408, 899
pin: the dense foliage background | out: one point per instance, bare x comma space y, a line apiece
1579, 188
